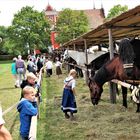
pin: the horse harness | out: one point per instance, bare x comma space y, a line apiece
66, 86
130, 65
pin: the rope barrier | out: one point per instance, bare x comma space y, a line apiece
136, 95
135, 90
9, 109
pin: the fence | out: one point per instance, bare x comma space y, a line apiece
33, 126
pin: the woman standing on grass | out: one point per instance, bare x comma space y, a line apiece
68, 99
14, 71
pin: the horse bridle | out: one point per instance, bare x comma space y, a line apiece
130, 65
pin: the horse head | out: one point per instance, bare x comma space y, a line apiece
95, 91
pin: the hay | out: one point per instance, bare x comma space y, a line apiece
57, 101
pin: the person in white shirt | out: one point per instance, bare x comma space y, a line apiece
48, 66
58, 67
4, 133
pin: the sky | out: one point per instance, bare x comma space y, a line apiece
9, 7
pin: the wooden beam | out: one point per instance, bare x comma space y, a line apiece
127, 85
124, 27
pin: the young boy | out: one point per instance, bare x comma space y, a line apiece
27, 108
31, 81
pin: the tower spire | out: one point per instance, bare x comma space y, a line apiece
101, 4
93, 4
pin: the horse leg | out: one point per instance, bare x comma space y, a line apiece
124, 95
138, 108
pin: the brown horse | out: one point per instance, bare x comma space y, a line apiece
125, 66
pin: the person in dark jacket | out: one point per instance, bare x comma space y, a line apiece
39, 64
31, 81
27, 108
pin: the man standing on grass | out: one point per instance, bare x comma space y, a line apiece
48, 67
21, 69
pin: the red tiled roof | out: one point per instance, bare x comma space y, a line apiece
49, 8
95, 17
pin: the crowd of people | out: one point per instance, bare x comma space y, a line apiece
19, 68
25, 75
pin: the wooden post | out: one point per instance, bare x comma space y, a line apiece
86, 72
112, 88
85, 43
74, 47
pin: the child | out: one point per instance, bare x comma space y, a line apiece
27, 108
4, 133
68, 99
14, 72
31, 81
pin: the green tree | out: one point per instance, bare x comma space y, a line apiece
29, 30
3, 36
116, 10
70, 24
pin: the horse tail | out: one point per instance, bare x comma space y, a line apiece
126, 51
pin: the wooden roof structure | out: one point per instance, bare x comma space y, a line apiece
125, 25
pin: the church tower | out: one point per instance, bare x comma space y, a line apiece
51, 14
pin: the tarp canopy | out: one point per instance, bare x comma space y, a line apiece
80, 57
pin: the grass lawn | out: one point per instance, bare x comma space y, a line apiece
9, 95
105, 121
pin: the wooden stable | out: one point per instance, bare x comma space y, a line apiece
126, 25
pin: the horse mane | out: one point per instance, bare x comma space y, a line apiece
101, 76
126, 51
136, 47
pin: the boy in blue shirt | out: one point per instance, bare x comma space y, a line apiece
27, 108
